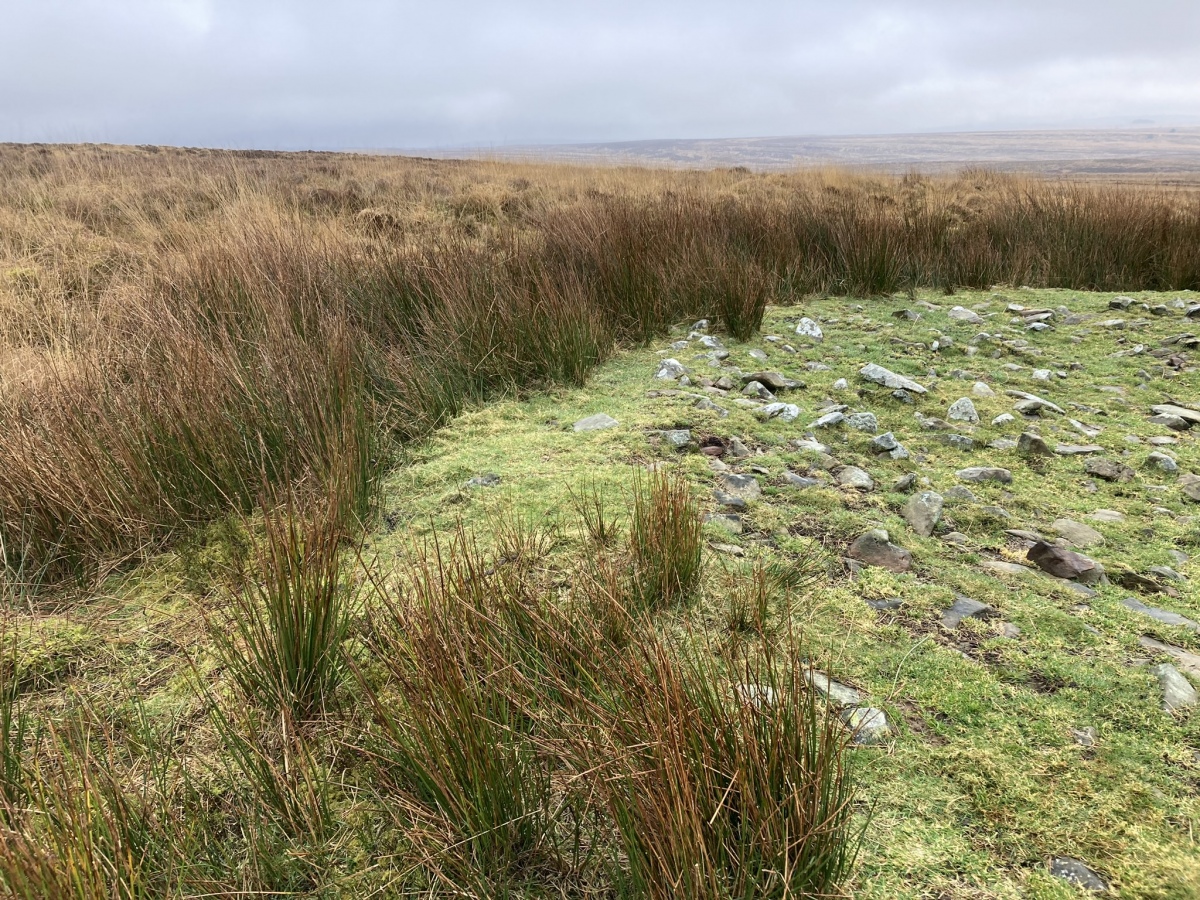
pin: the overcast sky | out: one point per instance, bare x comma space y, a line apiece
442, 73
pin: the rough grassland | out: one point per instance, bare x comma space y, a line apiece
982, 781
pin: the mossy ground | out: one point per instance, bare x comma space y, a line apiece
983, 781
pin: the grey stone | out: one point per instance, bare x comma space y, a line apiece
760, 355
737, 449
961, 494
999, 567
905, 482
801, 481
1077, 449
784, 412
1077, 533
810, 446
1031, 444
876, 549
1178, 693
979, 474
863, 421
959, 442
1003, 419
1162, 462
837, 694
880, 375
961, 314
962, 410
1159, 615
964, 608
677, 437
1031, 404
829, 420
1185, 659
1084, 737
1175, 423
1003, 444
759, 390
670, 369
903, 396
887, 604
981, 391
1076, 873
744, 486
869, 725
1063, 563
1107, 515
1190, 485
1190, 416
598, 422
923, 511
854, 477
841, 385
725, 521
810, 329
488, 479
773, 380
1109, 469
884, 442
708, 406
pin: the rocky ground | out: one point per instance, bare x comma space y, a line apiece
1005, 491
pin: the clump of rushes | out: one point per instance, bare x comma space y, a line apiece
722, 787
592, 507
467, 647
13, 727
665, 544
282, 643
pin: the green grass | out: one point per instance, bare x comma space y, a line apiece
982, 783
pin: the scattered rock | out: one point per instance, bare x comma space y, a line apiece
773, 380
1031, 444
1178, 693
980, 474
1003, 419
1107, 515
854, 477
841, 385
960, 494
961, 314
810, 329
1077, 533
744, 486
784, 412
837, 694
923, 511
876, 549
488, 479
1191, 416
1063, 563
759, 390
1188, 661
1159, 615
1162, 462
801, 481
670, 369
863, 421
829, 420
729, 549
1109, 469
1190, 484
981, 391
869, 725
880, 375
598, 422
1084, 737
887, 604
1077, 449
962, 410
905, 482
964, 608
1076, 873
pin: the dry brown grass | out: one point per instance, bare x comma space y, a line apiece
180, 326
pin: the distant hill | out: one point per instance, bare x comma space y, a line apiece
1138, 151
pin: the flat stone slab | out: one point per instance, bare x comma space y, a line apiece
965, 608
985, 473
1000, 567
1077, 533
488, 479
838, 694
598, 422
889, 379
1159, 615
1077, 449
1032, 403
1178, 693
1191, 416
744, 486
1184, 659
1107, 515
1076, 873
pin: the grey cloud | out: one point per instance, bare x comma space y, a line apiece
366, 73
